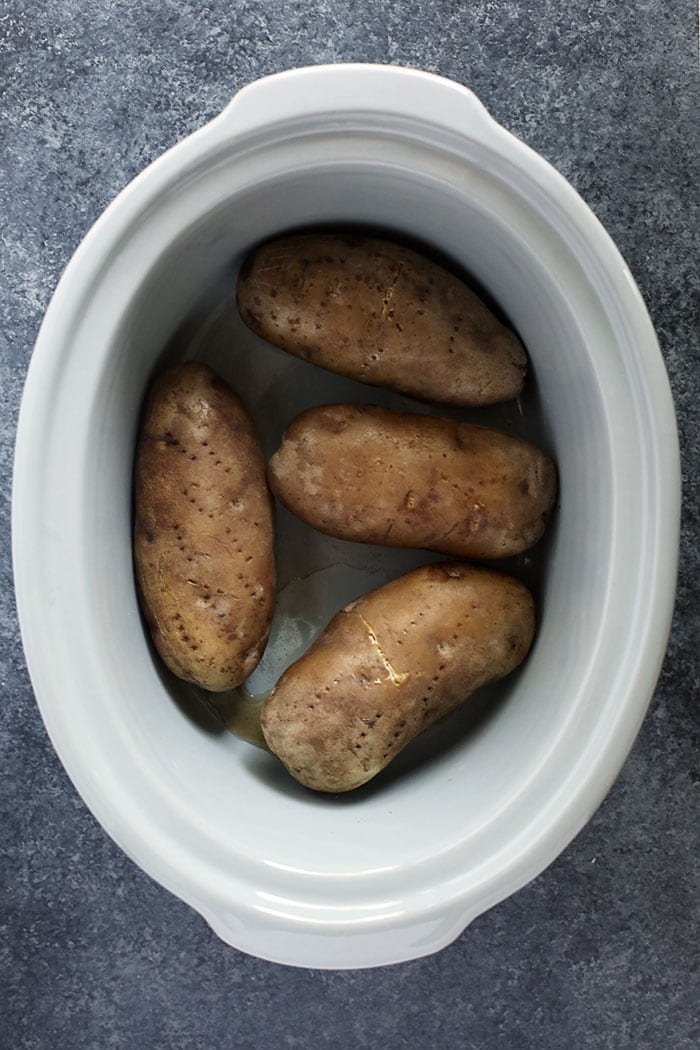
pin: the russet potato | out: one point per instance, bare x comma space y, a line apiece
203, 529
391, 664
381, 313
364, 473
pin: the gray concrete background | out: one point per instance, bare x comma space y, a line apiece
601, 950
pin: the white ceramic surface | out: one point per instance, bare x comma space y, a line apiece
483, 803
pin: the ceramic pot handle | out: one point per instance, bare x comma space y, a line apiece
357, 88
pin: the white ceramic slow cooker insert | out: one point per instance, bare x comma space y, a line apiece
399, 869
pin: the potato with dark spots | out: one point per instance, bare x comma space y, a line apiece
364, 473
203, 529
391, 664
381, 313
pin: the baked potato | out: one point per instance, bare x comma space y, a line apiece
364, 473
381, 313
391, 664
203, 529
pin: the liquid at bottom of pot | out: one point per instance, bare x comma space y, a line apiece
303, 609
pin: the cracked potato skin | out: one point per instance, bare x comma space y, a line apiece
203, 529
364, 473
391, 664
380, 313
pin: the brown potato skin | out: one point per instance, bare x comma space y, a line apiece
381, 313
391, 664
364, 473
203, 529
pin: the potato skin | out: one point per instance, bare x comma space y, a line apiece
391, 664
364, 473
381, 313
203, 529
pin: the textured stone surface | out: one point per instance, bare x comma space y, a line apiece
601, 950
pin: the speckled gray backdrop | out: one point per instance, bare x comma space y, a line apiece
601, 950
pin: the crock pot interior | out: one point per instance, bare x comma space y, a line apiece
459, 776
